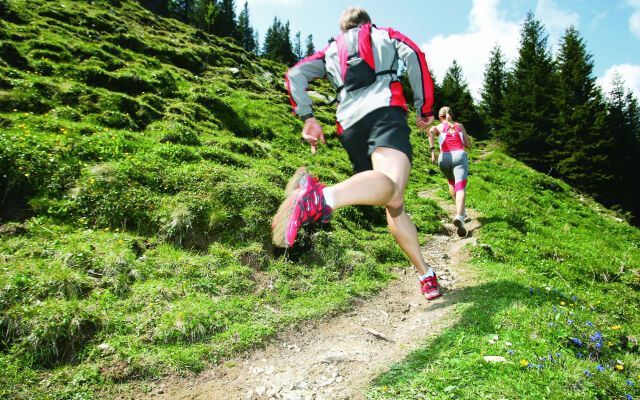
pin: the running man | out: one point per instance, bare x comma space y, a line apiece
362, 64
453, 161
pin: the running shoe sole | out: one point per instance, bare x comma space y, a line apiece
461, 230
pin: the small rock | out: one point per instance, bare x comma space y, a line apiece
495, 359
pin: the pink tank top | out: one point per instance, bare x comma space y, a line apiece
450, 141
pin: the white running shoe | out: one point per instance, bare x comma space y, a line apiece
458, 222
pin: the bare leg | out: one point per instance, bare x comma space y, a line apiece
385, 185
452, 191
460, 197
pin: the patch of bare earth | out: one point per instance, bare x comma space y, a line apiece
337, 357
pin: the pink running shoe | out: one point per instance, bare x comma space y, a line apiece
305, 205
430, 288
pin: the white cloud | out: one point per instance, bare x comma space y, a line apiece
630, 75
555, 19
471, 49
634, 24
634, 19
488, 26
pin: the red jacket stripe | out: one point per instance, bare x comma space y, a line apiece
427, 82
364, 45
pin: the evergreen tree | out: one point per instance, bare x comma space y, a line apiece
529, 107
297, 47
455, 93
244, 31
580, 143
204, 14
277, 43
625, 150
180, 9
493, 90
225, 22
310, 49
160, 7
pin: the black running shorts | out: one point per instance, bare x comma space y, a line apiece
384, 127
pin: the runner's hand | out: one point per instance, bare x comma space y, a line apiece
312, 132
424, 122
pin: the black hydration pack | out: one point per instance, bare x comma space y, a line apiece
357, 64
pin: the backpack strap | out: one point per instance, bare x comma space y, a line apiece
362, 48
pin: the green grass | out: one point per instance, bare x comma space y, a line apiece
558, 296
140, 173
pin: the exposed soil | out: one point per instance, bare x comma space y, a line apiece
337, 357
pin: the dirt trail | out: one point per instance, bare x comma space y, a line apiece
337, 357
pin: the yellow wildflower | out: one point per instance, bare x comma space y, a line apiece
106, 229
562, 303
619, 367
616, 327
524, 363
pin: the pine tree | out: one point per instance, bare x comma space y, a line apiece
277, 43
529, 107
244, 31
455, 93
310, 49
297, 47
625, 150
493, 90
160, 7
580, 141
225, 23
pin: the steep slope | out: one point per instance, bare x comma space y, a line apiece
141, 161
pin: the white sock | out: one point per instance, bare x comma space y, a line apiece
428, 274
328, 196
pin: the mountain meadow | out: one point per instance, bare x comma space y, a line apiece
141, 162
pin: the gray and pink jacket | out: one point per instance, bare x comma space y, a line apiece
387, 46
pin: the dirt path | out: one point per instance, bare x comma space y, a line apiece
336, 358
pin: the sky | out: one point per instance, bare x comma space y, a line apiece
467, 30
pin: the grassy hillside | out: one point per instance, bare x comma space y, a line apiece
558, 297
140, 164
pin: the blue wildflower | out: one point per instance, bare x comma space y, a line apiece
579, 354
511, 352
558, 355
589, 323
550, 323
598, 335
530, 290
540, 366
587, 372
574, 298
577, 341
571, 322
561, 294
628, 396
598, 345
630, 383
600, 368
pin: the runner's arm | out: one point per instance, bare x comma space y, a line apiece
418, 72
298, 78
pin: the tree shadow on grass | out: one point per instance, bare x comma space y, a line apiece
476, 321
